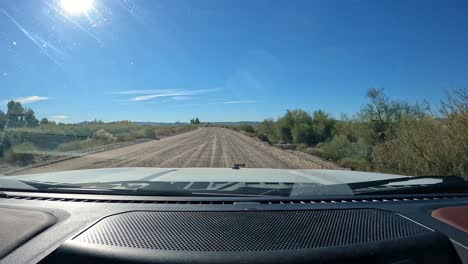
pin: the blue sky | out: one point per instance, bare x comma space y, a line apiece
226, 60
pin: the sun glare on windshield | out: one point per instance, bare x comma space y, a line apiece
76, 7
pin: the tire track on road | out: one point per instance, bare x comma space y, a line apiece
213, 150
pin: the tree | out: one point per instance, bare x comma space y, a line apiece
384, 115
290, 121
195, 121
30, 119
323, 126
304, 134
300, 127
15, 114
268, 127
44, 121
2, 120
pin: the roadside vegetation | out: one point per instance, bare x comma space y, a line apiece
385, 135
23, 137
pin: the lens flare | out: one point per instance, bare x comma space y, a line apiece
76, 7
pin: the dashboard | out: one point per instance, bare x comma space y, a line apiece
79, 228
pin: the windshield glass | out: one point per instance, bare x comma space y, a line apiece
293, 93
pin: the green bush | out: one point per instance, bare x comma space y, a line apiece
338, 148
268, 128
247, 128
346, 153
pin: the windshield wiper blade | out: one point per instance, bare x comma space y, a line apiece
447, 184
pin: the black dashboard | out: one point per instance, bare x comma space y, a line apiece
72, 228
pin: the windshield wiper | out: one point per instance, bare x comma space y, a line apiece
447, 184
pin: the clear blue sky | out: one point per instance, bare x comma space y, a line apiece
226, 60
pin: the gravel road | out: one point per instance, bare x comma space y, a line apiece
204, 147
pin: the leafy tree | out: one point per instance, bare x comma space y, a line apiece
15, 114
268, 128
195, 121
323, 126
44, 121
304, 133
284, 130
290, 121
30, 119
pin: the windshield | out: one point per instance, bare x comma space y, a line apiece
267, 92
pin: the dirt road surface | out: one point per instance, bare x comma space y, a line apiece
204, 147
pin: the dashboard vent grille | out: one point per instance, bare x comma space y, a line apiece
285, 201
248, 231
78, 200
358, 200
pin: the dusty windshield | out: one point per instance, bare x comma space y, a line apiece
374, 86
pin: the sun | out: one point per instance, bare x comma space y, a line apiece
76, 7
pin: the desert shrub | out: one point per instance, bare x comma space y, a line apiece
104, 136
315, 151
263, 137
247, 128
338, 148
302, 147
80, 144
349, 154
423, 147
149, 132
430, 146
21, 153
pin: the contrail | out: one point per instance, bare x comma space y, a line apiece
74, 23
38, 41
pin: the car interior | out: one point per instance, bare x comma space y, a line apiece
85, 228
